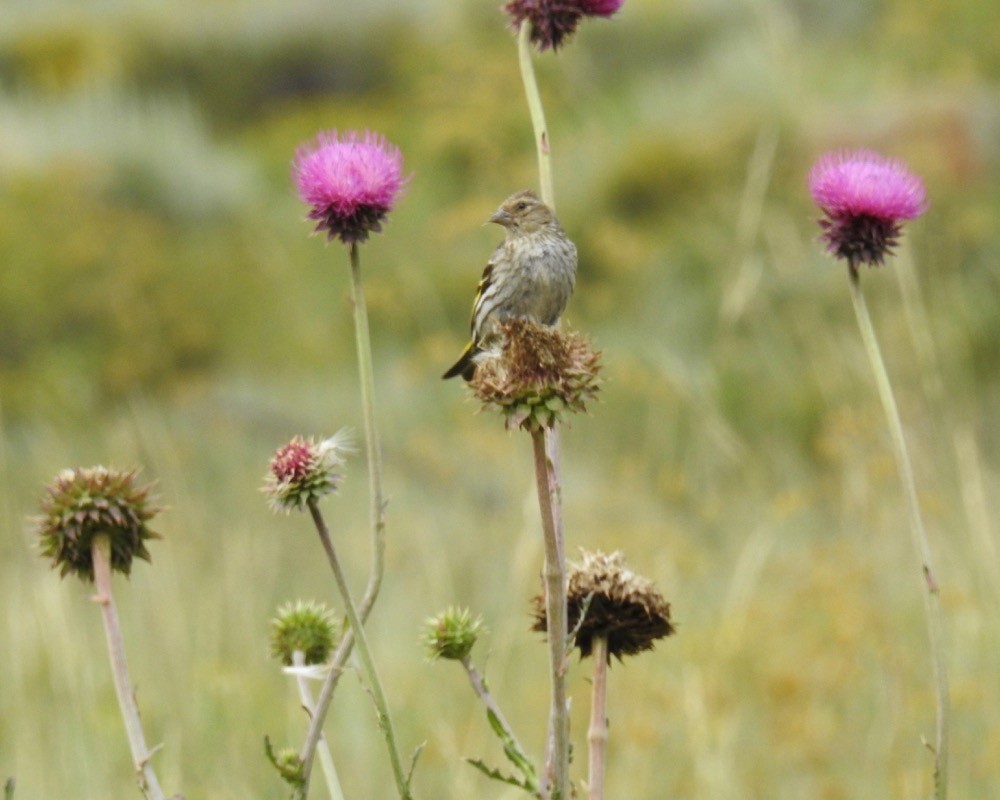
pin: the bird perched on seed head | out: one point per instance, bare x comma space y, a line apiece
531, 274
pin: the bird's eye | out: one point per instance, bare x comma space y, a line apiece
521, 206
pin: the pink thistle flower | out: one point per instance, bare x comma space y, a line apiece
553, 21
865, 198
351, 181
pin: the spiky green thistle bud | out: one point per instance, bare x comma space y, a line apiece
81, 504
306, 626
451, 634
290, 767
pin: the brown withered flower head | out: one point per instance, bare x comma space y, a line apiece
537, 375
81, 504
615, 603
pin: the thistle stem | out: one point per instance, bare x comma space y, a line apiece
141, 755
537, 114
597, 735
547, 457
483, 693
557, 749
364, 652
322, 749
362, 337
932, 597
373, 450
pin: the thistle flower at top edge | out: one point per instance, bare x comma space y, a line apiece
554, 21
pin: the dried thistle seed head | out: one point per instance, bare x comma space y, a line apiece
616, 604
537, 374
451, 634
305, 470
305, 626
81, 504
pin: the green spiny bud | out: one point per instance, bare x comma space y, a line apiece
305, 626
451, 634
81, 504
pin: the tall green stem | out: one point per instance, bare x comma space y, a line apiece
124, 690
932, 597
547, 459
364, 653
373, 450
537, 114
557, 755
362, 338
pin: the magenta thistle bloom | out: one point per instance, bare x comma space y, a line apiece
553, 21
351, 181
865, 198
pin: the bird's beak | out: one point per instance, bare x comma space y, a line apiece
502, 218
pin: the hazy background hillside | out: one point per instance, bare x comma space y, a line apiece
162, 304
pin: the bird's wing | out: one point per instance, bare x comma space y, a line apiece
483, 294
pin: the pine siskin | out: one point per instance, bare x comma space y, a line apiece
530, 275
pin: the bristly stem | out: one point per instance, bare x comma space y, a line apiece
373, 450
547, 458
322, 749
367, 662
932, 597
377, 505
541, 131
517, 754
557, 755
141, 755
597, 736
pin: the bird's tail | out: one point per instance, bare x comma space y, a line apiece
465, 366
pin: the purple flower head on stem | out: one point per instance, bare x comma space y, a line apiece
553, 21
600, 8
865, 198
351, 182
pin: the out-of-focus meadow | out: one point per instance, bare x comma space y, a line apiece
162, 304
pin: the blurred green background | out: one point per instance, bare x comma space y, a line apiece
162, 304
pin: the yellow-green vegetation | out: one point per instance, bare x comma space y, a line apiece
162, 304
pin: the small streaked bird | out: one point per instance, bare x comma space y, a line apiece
531, 274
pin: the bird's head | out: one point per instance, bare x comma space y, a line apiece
523, 212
